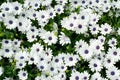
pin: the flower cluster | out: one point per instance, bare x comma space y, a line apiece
60, 40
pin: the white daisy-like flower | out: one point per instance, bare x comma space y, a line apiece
101, 39
96, 76
84, 16
6, 7
16, 43
64, 39
57, 61
94, 18
112, 73
95, 65
35, 4
37, 48
61, 76
49, 38
59, 9
23, 75
96, 46
7, 52
86, 52
6, 43
105, 29
42, 66
69, 23
112, 42
114, 52
61, 2
21, 56
10, 22
108, 61
1, 70
48, 52
85, 75
17, 8
52, 70
31, 36
23, 24
70, 60
62, 68
106, 7
80, 27
75, 3
94, 29
79, 45
45, 2
20, 64
42, 16
74, 16
33, 58
75, 75
51, 13
32, 14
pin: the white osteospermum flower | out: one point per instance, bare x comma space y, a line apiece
101, 39
106, 7
96, 46
96, 76
94, 18
23, 75
85, 75
79, 45
64, 39
45, 2
112, 73
115, 53
94, 29
35, 4
7, 52
6, 43
23, 24
10, 22
42, 66
1, 70
112, 42
51, 13
42, 16
70, 60
80, 27
52, 70
105, 29
16, 43
21, 56
61, 2
31, 36
69, 23
33, 58
75, 75
86, 52
109, 61
6, 7
95, 65
32, 14
20, 64
17, 8
59, 9
49, 38
37, 48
